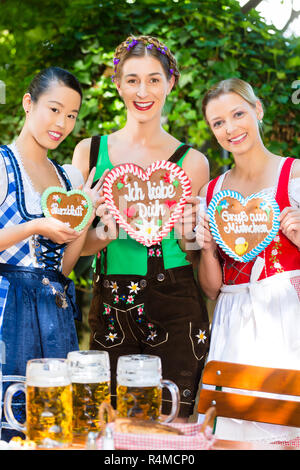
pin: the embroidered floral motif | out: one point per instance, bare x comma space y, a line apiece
152, 335
107, 309
201, 336
155, 252
114, 286
130, 299
111, 337
116, 299
275, 252
134, 287
141, 310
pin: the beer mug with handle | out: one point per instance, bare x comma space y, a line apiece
139, 388
90, 375
48, 392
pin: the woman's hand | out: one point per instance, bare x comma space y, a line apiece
184, 227
54, 229
204, 237
290, 224
107, 229
95, 192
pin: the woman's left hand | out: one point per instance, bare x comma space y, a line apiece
94, 193
290, 224
184, 227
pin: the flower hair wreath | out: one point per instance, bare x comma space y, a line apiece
133, 43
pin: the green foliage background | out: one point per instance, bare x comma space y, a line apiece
211, 39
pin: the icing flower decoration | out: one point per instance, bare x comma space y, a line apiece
265, 207
56, 198
167, 177
222, 205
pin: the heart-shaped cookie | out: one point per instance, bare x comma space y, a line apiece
146, 204
71, 207
243, 227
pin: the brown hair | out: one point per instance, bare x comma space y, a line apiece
231, 85
142, 46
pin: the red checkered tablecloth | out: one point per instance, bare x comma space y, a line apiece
193, 439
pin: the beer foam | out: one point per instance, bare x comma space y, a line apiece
86, 378
43, 374
141, 380
139, 370
46, 381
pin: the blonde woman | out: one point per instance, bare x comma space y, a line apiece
257, 315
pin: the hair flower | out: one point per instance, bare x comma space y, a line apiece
116, 61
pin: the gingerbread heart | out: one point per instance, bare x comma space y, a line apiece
243, 227
146, 204
71, 207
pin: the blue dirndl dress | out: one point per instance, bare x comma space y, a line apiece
37, 302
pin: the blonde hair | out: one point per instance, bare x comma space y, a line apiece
141, 46
230, 85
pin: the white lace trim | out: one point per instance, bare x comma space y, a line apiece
32, 197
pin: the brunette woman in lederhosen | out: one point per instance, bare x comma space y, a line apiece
146, 299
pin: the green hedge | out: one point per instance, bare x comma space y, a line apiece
212, 40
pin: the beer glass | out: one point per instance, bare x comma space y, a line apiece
90, 375
139, 388
48, 391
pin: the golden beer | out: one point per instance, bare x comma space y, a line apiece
139, 402
139, 388
87, 398
49, 414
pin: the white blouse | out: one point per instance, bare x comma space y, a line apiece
294, 191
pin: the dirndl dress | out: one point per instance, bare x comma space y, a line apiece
37, 302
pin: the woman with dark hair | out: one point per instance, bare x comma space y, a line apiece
146, 300
37, 253
257, 315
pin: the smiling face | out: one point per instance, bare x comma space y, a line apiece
53, 116
234, 122
144, 86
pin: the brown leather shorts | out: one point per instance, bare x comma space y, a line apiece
163, 315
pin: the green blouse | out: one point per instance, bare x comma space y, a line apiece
125, 255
